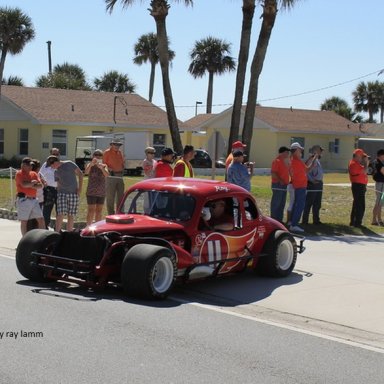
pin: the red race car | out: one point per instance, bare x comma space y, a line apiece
165, 230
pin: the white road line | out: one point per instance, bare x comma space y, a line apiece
281, 325
7, 257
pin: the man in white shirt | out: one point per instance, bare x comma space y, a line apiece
47, 175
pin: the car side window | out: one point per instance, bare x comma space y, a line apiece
250, 209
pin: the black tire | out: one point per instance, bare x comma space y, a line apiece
281, 250
40, 240
148, 271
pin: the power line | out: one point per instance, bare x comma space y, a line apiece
378, 72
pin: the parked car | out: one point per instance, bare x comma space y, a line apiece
163, 233
203, 160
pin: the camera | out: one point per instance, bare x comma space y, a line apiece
99, 161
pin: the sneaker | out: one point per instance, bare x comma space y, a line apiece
296, 228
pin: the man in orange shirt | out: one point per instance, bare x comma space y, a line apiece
114, 160
280, 181
164, 166
357, 169
298, 172
28, 207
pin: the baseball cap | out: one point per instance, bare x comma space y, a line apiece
238, 144
238, 153
359, 152
315, 147
283, 149
116, 142
27, 160
167, 151
296, 146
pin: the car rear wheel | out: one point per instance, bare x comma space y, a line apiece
148, 271
281, 256
36, 240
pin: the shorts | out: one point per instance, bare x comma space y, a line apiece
98, 200
28, 208
67, 203
379, 188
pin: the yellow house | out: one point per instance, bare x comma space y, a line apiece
33, 120
276, 127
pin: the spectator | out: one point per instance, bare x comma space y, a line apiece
68, 190
183, 167
149, 163
314, 187
280, 181
164, 166
114, 160
97, 173
39, 192
378, 176
357, 169
298, 172
47, 175
239, 173
27, 183
236, 146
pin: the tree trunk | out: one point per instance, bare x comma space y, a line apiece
246, 29
2, 64
152, 81
159, 12
269, 17
210, 92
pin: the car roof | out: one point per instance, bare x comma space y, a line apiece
200, 188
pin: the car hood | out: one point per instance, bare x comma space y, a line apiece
131, 224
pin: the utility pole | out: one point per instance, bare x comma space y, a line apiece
49, 57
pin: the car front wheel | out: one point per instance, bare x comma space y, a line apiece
36, 240
281, 256
148, 271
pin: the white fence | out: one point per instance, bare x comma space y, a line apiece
9, 173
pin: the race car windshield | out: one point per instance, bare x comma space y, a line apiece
165, 205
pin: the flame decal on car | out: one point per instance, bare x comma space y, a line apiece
218, 246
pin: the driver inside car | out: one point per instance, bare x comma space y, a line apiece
218, 218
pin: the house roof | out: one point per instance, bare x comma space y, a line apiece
303, 120
197, 120
288, 120
50, 105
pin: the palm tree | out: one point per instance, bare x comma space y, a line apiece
159, 11
379, 96
338, 105
364, 99
16, 30
114, 81
246, 29
270, 8
210, 55
146, 50
13, 80
65, 76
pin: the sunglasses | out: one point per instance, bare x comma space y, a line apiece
98, 155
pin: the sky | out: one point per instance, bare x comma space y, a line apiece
318, 49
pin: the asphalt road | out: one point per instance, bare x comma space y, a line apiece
314, 327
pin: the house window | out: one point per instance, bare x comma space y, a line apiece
98, 133
23, 141
1, 141
59, 140
158, 143
337, 146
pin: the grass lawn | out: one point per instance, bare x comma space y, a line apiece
335, 211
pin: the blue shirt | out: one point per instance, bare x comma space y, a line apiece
238, 174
